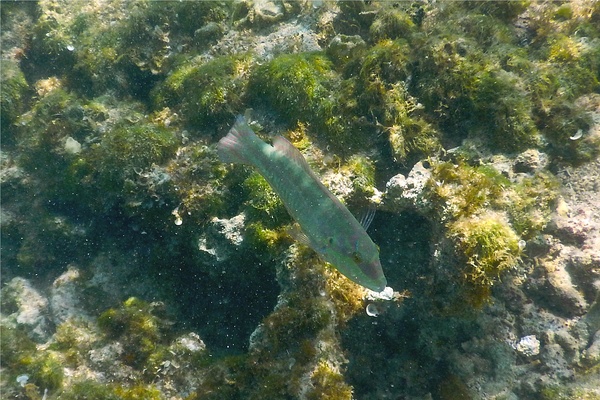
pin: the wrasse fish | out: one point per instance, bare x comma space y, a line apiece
327, 225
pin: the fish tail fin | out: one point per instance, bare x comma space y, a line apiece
236, 146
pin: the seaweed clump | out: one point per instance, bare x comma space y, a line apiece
488, 247
487, 218
300, 87
206, 93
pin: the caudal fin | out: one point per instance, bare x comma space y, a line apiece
236, 146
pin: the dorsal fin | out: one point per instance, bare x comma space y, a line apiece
366, 217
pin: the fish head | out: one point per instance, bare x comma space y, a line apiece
358, 260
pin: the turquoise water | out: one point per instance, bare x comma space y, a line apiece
136, 265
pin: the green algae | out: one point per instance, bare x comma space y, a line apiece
263, 199
139, 326
13, 95
211, 92
328, 384
485, 215
488, 247
424, 85
299, 87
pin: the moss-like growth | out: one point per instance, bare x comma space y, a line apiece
137, 325
124, 166
139, 392
344, 48
199, 177
13, 91
45, 369
43, 132
301, 318
504, 111
300, 87
263, 199
462, 191
384, 65
74, 338
410, 136
128, 149
15, 345
391, 24
530, 203
347, 296
567, 128
206, 93
471, 95
263, 239
328, 384
98, 49
89, 390
488, 246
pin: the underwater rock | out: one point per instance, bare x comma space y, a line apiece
591, 355
530, 161
405, 192
560, 290
222, 234
65, 297
342, 48
528, 346
24, 303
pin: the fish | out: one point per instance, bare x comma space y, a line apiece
326, 225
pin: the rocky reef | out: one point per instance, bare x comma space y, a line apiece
136, 265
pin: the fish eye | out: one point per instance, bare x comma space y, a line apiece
356, 257
330, 240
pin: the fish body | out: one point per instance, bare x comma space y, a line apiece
330, 229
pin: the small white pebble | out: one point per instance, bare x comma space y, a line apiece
528, 346
385, 294
577, 135
372, 310
22, 379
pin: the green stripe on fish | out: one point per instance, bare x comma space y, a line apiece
330, 229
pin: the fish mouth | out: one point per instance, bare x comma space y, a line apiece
375, 275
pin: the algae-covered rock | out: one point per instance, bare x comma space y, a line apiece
206, 92
169, 274
13, 89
